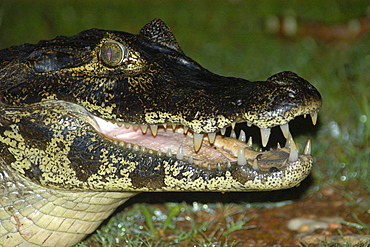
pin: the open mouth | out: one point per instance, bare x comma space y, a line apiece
209, 150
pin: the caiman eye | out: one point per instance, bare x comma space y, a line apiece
112, 53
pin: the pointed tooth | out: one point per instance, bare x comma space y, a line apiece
174, 126
265, 135
314, 118
241, 157
191, 160
293, 154
119, 124
233, 125
159, 153
255, 164
278, 146
165, 126
285, 129
198, 139
287, 143
135, 126
249, 124
212, 137
135, 148
305, 115
154, 129
307, 149
144, 128
127, 125
169, 153
223, 131
186, 129
233, 134
128, 146
180, 153
143, 149
242, 136
250, 141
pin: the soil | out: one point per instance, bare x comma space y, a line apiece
267, 225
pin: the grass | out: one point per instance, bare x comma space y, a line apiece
228, 37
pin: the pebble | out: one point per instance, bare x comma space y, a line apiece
310, 224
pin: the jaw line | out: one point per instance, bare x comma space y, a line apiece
224, 151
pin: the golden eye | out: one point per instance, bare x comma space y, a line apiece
112, 53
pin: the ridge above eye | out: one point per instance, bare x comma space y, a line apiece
112, 53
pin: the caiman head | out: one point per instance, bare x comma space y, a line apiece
109, 110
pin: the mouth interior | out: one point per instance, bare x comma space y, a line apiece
208, 150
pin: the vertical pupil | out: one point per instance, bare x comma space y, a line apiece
109, 54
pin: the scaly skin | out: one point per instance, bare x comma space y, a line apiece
86, 123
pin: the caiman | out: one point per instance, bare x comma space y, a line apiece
88, 121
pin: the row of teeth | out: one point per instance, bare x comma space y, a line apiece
241, 160
198, 138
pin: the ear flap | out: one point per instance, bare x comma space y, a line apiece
158, 32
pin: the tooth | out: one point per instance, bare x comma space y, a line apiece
287, 143
128, 146
127, 125
305, 115
154, 129
233, 125
314, 118
250, 141
144, 128
169, 153
223, 131
186, 129
285, 129
143, 149
191, 160
307, 149
233, 134
265, 135
278, 146
241, 157
180, 153
242, 136
293, 154
173, 126
165, 126
255, 164
159, 153
135, 126
249, 124
135, 148
212, 137
119, 124
198, 139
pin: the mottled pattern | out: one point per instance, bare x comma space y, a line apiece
90, 120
